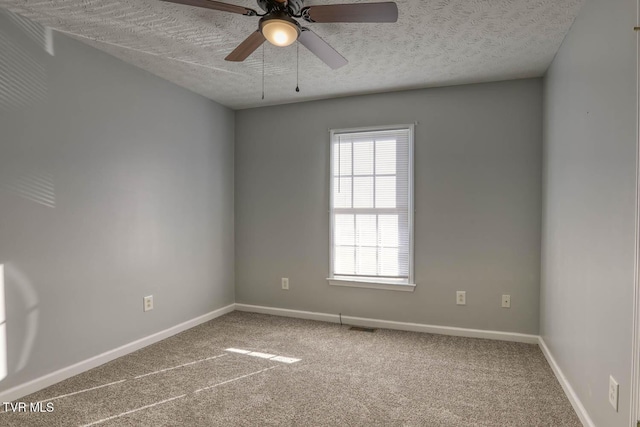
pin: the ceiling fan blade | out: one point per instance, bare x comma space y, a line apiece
358, 12
246, 48
321, 49
216, 5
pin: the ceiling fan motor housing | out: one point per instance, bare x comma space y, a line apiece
293, 7
278, 15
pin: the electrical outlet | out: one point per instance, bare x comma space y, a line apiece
506, 301
461, 298
285, 283
148, 303
613, 392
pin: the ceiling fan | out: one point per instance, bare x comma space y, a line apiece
279, 26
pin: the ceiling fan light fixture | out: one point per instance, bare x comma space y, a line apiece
279, 32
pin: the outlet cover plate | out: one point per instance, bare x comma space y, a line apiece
285, 283
461, 297
506, 301
147, 303
613, 392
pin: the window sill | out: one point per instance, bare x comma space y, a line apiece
385, 286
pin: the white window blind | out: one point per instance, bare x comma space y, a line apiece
371, 203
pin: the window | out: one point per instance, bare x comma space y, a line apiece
372, 208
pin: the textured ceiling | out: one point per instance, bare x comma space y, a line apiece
434, 43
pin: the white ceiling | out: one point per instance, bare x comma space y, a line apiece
434, 43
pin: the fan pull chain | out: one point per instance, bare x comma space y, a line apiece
263, 71
297, 66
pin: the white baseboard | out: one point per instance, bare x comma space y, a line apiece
75, 369
388, 324
284, 312
568, 390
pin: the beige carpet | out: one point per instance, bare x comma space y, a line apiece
343, 378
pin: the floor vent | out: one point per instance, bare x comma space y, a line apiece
361, 329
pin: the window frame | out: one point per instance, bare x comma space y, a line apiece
373, 282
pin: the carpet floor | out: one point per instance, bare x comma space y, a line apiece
342, 378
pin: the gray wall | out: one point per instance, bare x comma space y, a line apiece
114, 184
589, 201
477, 198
